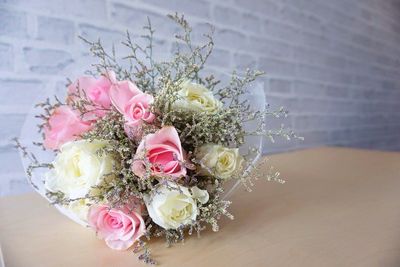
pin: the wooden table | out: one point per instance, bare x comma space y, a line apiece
339, 207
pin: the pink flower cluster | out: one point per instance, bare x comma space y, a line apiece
120, 228
68, 124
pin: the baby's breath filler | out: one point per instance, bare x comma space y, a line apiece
169, 135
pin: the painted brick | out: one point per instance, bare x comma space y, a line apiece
9, 154
251, 23
199, 31
106, 36
90, 9
280, 30
277, 66
19, 92
7, 57
13, 23
56, 30
220, 58
135, 18
315, 122
244, 61
271, 48
264, 7
46, 61
227, 16
280, 86
231, 39
337, 91
308, 88
12, 126
198, 8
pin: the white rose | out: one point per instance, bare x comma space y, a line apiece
78, 167
172, 205
196, 97
220, 161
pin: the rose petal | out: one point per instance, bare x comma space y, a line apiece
121, 93
65, 125
120, 228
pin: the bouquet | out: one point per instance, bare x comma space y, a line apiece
144, 149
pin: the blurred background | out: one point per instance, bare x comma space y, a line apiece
334, 64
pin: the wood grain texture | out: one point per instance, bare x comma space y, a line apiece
339, 207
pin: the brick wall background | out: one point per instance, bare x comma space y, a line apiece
334, 64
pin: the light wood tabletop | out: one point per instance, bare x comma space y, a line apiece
339, 207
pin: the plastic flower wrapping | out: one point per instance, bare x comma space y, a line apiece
140, 149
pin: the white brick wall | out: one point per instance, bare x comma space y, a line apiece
334, 64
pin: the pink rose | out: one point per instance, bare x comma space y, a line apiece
94, 90
163, 150
120, 228
132, 103
65, 124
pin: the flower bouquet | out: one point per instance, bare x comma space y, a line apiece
150, 149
